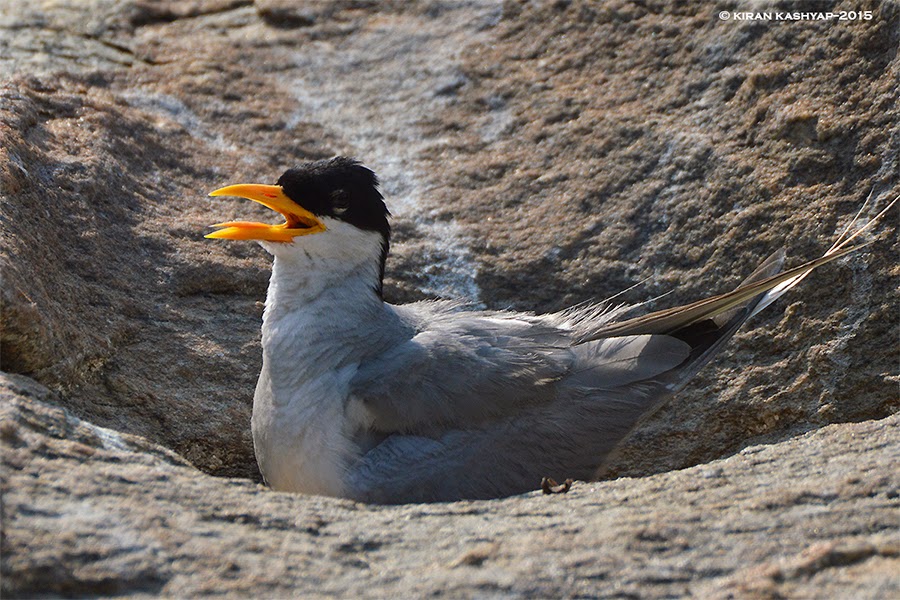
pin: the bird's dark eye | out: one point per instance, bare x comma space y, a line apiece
340, 201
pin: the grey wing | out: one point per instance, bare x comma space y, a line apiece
609, 385
461, 369
485, 408
614, 375
569, 437
465, 369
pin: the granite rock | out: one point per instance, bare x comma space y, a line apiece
89, 512
534, 155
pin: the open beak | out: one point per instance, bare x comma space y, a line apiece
297, 220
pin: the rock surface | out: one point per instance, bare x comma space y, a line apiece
88, 512
534, 155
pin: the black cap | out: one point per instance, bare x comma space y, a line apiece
341, 188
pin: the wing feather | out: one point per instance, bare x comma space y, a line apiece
461, 372
485, 404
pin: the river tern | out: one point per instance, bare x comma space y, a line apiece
434, 401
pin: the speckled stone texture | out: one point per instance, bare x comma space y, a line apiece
534, 155
87, 512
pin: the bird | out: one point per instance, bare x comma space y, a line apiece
439, 400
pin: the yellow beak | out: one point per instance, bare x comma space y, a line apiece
298, 220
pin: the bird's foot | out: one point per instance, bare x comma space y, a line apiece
549, 486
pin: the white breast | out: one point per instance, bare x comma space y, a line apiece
323, 316
303, 440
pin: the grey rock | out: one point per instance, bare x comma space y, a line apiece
534, 155
812, 516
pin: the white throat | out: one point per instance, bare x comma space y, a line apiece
341, 258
